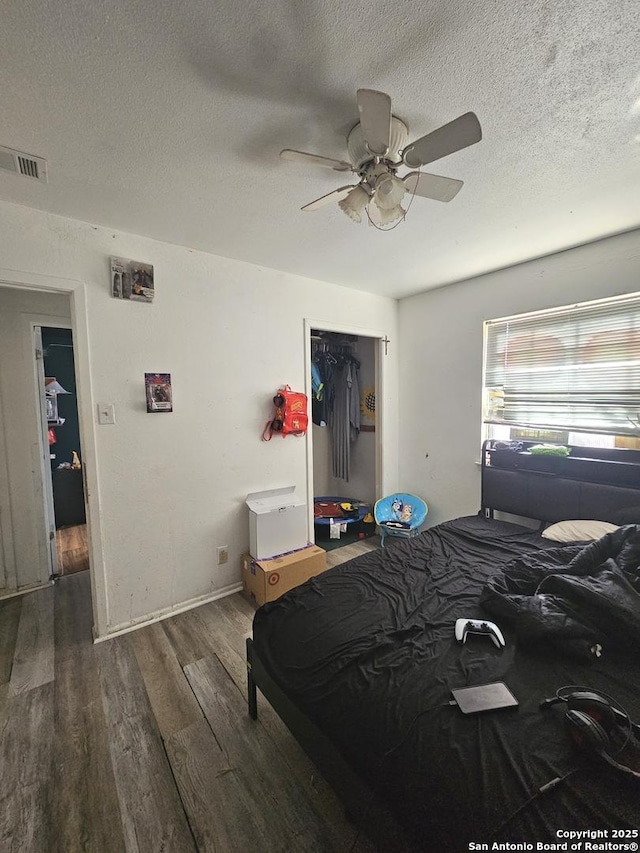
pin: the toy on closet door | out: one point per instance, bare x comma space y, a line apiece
291, 416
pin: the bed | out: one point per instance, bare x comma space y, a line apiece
360, 662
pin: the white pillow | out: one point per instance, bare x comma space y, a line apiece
577, 530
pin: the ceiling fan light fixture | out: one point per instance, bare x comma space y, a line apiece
389, 193
355, 203
385, 216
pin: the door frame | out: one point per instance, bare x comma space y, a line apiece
380, 374
77, 293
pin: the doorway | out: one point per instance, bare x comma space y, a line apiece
28, 541
28, 299
345, 451
63, 446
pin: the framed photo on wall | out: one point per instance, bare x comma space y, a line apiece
132, 280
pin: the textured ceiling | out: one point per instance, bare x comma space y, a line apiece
166, 119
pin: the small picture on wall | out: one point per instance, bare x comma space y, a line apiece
368, 410
158, 392
131, 280
52, 408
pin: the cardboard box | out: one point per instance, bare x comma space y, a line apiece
266, 580
277, 522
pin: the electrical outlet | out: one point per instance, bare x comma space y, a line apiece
223, 554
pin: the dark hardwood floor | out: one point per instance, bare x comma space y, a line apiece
143, 742
72, 549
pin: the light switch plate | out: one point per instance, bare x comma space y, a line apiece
106, 413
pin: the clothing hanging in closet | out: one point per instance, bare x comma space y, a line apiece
345, 421
337, 404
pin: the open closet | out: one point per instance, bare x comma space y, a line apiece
342, 407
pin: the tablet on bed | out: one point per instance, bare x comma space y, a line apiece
484, 697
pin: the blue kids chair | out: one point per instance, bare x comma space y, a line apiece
400, 515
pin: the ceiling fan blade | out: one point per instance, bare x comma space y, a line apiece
336, 195
458, 134
316, 159
432, 186
375, 120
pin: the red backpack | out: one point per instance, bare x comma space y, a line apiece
291, 414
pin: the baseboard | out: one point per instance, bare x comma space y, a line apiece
31, 588
166, 612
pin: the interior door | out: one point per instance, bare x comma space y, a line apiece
45, 459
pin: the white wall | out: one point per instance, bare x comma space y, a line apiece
172, 487
24, 542
440, 370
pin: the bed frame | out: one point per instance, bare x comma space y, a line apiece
591, 483
354, 794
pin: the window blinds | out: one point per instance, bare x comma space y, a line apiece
574, 368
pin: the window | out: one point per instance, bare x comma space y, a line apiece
575, 370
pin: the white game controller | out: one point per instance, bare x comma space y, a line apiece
479, 626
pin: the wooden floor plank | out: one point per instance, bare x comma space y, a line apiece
174, 705
10, 610
34, 649
231, 652
239, 620
73, 618
206, 634
86, 813
242, 606
72, 548
84, 764
226, 638
4, 703
292, 820
198, 634
74, 537
222, 815
201, 633
189, 637
76, 560
348, 552
152, 813
225, 624
27, 772
59, 554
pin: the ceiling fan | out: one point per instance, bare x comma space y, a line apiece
377, 147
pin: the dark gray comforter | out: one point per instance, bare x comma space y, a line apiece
367, 652
582, 599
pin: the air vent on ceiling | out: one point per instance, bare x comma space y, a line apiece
23, 164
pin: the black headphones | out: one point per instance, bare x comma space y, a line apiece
597, 723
